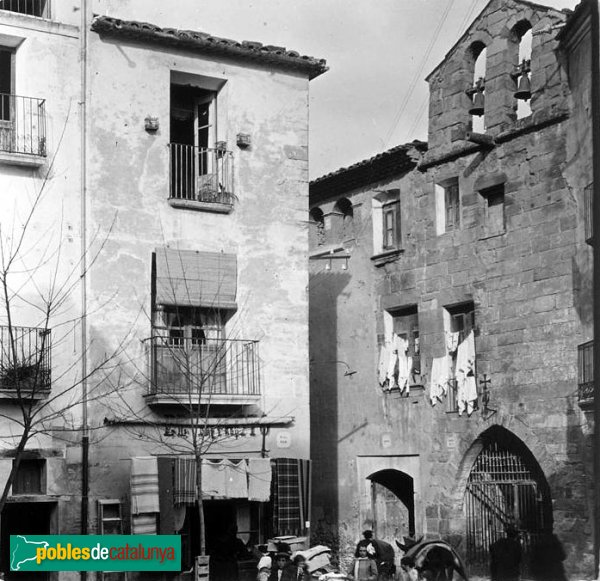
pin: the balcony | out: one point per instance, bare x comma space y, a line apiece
24, 363
201, 178
39, 8
192, 372
22, 130
585, 390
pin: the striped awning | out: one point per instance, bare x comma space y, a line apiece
189, 278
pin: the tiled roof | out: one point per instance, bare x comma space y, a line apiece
382, 166
276, 56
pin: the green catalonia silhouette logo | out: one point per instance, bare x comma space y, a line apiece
95, 553
23, 550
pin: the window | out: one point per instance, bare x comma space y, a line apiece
494, 210
386, 223
201, 166
40, 8
459, 324
452, 206
391, 226
400, 352
6, 84
30, 476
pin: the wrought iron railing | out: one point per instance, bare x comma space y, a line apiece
201, 174
201, 368
588, 199
585, 372
22, 124
39, 8
25, 362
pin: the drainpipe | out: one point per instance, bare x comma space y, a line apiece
595, 76
85, 443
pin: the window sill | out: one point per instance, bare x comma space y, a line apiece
494, 235
21, 159
387, 256
214, 207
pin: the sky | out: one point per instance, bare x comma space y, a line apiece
379, 52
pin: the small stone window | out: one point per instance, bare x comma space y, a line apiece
391, 226
494, 211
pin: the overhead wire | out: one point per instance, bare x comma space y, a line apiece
418, 73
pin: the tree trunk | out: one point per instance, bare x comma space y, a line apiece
200, 505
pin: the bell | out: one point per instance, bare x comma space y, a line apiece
477, 106
524, 89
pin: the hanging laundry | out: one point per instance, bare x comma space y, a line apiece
452, 339
225, 478
392, 371
259, 479
382, 369
466, 393
404, 363
184, 486
440, 374
143, 524
144, 485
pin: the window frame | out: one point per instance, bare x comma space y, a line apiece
393, 231
21, 477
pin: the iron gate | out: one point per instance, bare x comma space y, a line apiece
501, 491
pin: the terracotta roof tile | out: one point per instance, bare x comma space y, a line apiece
277, 56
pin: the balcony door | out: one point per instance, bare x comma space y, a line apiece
193, 137
192, 355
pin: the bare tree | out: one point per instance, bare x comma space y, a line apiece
194, 362
39, 280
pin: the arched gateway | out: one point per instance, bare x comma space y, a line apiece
506, 486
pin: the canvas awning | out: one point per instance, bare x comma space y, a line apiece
189, 278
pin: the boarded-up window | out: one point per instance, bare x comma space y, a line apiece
494, 210
29, 478
196, 279
452, 206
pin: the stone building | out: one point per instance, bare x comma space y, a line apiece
451, 311
175, 171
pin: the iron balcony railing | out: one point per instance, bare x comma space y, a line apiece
25, 359
201, 174
40, 8
201, 368
22, 124
585, 391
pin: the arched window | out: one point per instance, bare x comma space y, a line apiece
343, 208
522, 37
317, 227
478, 54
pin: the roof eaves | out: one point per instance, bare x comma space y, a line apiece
382, 166
202, 42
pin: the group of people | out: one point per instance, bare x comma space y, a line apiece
374, 561
281, 567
